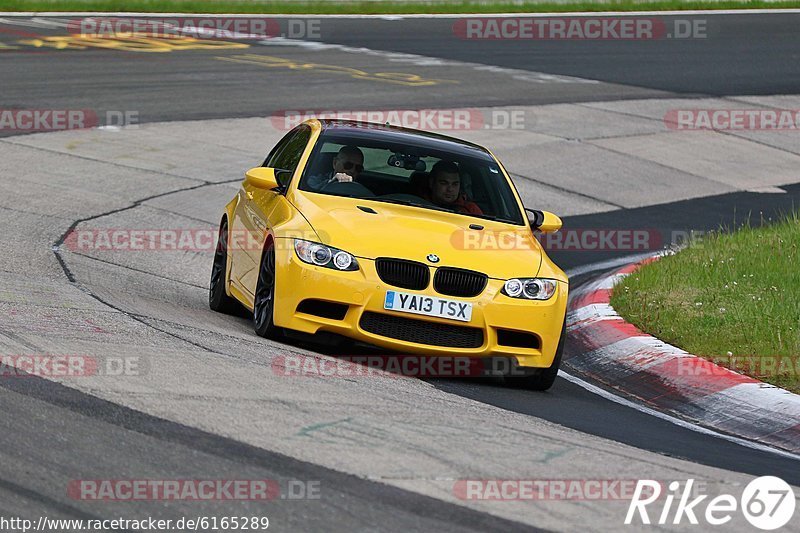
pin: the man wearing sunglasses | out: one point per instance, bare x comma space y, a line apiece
347, 165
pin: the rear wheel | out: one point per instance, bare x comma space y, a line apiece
218, 299
264, 302
544, 379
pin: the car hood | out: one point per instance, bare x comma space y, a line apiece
499, 250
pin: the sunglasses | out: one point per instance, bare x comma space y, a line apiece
348, 165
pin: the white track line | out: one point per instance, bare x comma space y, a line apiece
530, 76
608, 264
677, 421
594, 389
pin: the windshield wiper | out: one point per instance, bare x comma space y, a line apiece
496, 219
411, 204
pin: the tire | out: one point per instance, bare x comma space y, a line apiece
544, 379
264, 301
218, 299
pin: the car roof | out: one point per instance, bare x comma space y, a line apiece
398, 135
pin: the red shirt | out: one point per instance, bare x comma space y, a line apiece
462, 205
467, 206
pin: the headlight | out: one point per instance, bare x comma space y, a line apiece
318, 254
530, 288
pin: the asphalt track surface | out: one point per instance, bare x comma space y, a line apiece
741, 56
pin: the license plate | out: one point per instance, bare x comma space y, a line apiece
428, 306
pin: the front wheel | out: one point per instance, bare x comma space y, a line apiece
218, 299
264, 302
545, 378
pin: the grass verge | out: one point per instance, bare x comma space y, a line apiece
733, 298
381, 7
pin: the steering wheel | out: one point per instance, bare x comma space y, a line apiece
348, 188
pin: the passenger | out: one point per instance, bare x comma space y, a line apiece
346, 166
445, 189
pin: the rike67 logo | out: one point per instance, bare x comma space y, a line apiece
767, 503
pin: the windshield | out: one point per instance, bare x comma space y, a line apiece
416, 175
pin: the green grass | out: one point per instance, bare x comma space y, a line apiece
387, 6
731, 297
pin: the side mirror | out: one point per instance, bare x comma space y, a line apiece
544, 221
261, 177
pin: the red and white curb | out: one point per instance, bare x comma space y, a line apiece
668, 379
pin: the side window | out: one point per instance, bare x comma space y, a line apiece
289, 152
277, 149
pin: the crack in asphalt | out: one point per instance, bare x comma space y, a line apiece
56, 247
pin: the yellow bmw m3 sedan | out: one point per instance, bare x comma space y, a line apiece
402, 239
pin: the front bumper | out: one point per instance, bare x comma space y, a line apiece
363, 292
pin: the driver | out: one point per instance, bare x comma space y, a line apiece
347, 165
445, 187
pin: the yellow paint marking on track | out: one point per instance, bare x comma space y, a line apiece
4, 46
400, 78
49, 42
132, 44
